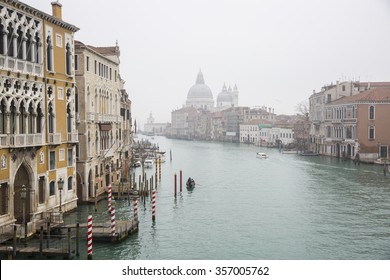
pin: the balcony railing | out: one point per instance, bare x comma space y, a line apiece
4, 140
95, 117
54, 138
22, 140
19, 65
73, 137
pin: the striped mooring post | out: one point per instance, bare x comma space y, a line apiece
90, 237
136, 210
109, 198
153, 205
112, 220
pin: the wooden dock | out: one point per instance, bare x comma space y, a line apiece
122, 230
36, 252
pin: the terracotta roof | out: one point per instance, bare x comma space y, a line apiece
372, 84
105, 50
379, 94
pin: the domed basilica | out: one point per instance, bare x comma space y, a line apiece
200, 96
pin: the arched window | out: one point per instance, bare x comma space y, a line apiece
70, 183
51, 118
22, 126
371, 132
12, 119
371, 113
52, 188
2, 51
19, 43
10, 41
68, 119
68, 59
30, 119
49, 54
2, 117
37, 49
39, 119
29, 44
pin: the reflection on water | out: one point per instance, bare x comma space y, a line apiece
284, 207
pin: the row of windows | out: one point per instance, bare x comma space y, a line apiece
61, 157
100, 69
50, 56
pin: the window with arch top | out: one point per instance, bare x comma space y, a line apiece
371, 113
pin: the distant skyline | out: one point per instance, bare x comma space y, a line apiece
276, 52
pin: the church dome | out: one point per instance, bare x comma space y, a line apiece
224, 96
200, 89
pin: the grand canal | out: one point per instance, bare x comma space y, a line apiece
284, 207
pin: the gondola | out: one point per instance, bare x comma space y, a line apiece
190, 184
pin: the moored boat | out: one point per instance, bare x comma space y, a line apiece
261, 155
148, 163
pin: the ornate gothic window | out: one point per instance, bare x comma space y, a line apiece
10, 41
49, 54
68, 59
2, 117
51, 118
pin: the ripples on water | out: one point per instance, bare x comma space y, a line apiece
285, 207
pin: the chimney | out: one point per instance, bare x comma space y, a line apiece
57, 9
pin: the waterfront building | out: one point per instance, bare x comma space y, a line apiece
318, 101
37, 116
249, 132
153, 128
104, 122
259, 113
359, 124
182, 126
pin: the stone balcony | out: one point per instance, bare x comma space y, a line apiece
100, 118
18, 65
21, 140
73, 137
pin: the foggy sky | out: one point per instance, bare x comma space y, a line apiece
277, 52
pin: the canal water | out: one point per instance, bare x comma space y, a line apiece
283, 207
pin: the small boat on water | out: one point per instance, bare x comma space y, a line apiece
261, 155
190, 184
148, 163
137, 163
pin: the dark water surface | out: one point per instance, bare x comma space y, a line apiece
284, 207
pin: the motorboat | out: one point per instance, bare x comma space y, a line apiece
190, 184
137, 163
261, 155
148, 163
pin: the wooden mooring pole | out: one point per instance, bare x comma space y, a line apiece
175, 183
181, 181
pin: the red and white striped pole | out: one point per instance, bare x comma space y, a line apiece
153, 205
109, 198
90, 237
135, 210
113, 220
